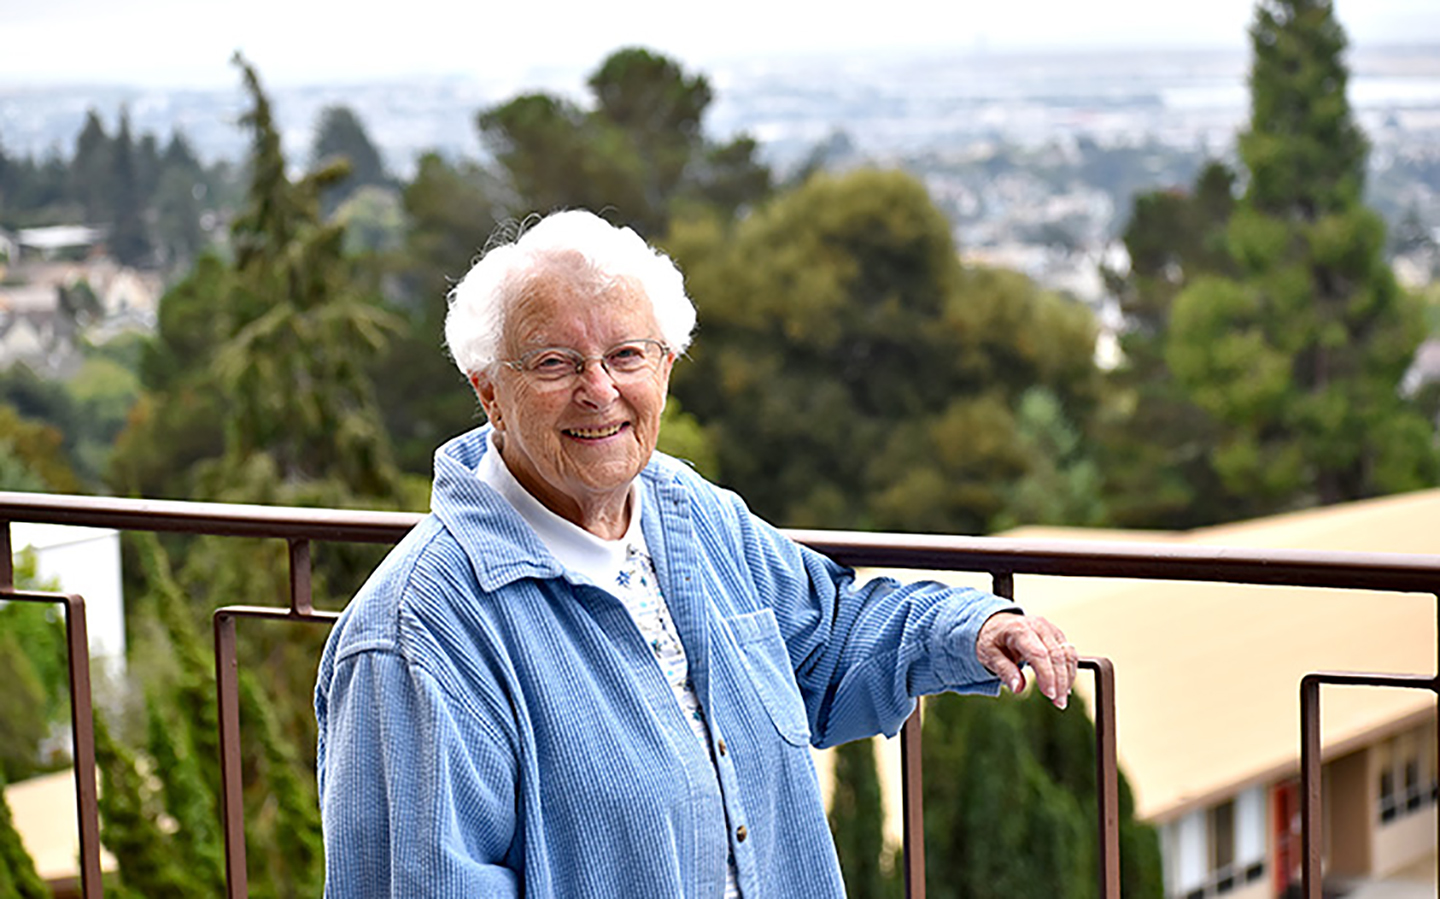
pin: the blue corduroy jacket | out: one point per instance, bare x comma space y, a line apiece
493, 726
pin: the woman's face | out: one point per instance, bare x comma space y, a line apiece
577, 448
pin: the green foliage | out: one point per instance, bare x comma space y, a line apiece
1014, 812
1156, 442
852, 374
1297, 352
256, 391
857, 816
340, 137
639, 154
33, 704
32, 453
36, 701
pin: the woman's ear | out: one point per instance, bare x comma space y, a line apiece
485, 392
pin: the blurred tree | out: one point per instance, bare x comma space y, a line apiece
451, 210
340, 135
1155, 443
1299, 355
34, 454
128, 238
556, 156
91, 168
640, 155
179, 190
852, 374
857, 822
1062, 484
259, 369
35, 704
1016, 814
659, 108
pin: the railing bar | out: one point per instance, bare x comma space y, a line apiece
7, 559
232, 809
300, 603
82, 725
1311, 835
1073, 558
227, 697
1003, 583
1107, 777
913, 805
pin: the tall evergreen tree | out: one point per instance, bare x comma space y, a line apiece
340, 135
1010, 804
90, 169
857, 821
129, 241
1299, 356
1155, 442
639, 154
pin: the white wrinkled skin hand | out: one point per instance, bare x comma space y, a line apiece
1007, 642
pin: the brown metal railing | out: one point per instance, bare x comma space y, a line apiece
1001, 558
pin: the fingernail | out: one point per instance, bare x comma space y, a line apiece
1064, 701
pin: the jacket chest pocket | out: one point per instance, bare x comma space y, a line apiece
767, 668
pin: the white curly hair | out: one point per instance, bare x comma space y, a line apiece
587, 248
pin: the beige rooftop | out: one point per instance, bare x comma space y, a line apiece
1207, 675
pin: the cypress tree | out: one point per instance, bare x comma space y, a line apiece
857, 816
1299, 355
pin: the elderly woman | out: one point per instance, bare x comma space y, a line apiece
591, 673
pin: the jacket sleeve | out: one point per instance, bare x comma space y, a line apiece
862, 653
398, 759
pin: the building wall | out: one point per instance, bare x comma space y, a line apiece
1349, 804
85, 561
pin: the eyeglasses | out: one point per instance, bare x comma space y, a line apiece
555, 367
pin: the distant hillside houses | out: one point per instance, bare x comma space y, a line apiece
56, 287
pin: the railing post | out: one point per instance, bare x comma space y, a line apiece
300, 577
1107, 776
82, 724
1311, 837
913, 803
7, 559
232, 809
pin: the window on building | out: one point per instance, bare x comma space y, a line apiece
1406, 769
1218, 850
1222, 846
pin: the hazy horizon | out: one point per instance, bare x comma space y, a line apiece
180, 43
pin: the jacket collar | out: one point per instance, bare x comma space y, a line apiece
501, 546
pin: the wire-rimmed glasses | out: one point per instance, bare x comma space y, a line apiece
552, 368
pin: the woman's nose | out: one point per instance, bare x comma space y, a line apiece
596, 385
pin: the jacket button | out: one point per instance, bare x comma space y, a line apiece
721, 746
741, 833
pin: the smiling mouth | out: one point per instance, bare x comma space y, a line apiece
595, 433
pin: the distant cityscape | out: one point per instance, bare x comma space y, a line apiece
1034, 157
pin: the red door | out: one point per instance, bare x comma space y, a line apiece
1285, 828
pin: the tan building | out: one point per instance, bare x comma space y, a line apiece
1207, 701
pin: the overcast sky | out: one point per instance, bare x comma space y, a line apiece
189, 42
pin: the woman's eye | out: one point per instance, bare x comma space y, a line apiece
552, 364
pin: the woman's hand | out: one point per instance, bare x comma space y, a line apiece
1009, 641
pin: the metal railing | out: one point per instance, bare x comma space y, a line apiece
1002, 559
